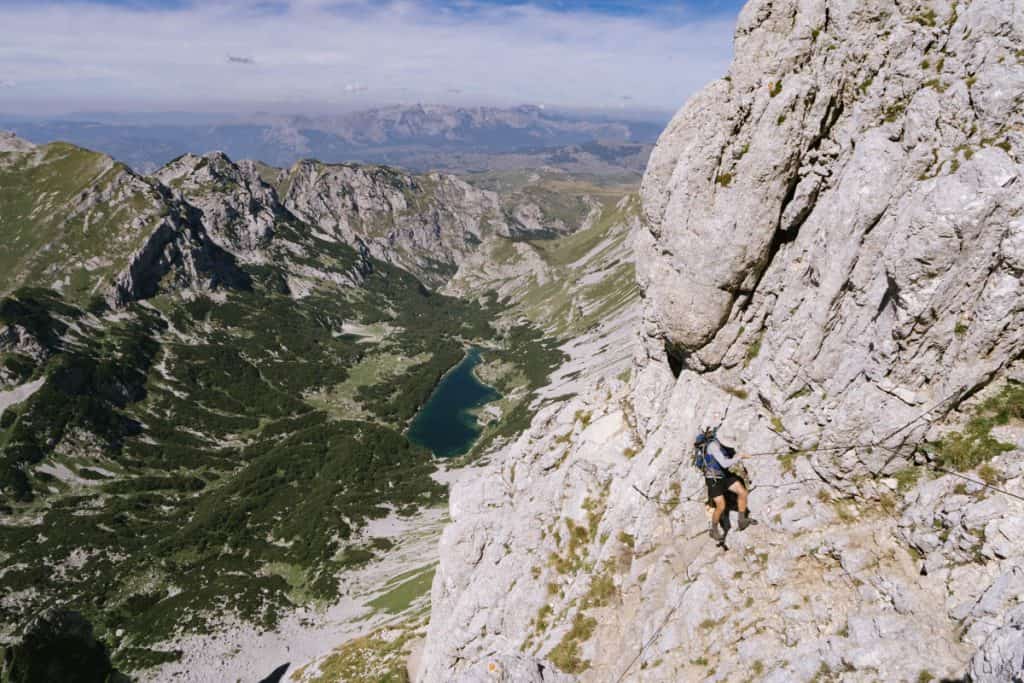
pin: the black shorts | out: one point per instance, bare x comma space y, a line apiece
718, 487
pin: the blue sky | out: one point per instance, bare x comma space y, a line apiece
325, 55
612, 7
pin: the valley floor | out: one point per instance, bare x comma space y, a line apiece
309, 640
388, 590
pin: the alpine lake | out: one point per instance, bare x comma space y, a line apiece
447, 424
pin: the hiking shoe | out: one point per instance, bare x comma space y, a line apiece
716, 532
744, 521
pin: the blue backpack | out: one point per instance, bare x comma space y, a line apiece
704, 461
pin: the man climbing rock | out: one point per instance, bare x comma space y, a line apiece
714, 459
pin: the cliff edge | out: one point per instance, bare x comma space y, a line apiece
831, 268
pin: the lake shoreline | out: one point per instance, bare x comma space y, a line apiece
447, 423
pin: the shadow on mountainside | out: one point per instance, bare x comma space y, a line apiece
277, 674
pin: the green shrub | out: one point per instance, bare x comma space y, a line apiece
602, 590
754, 350
907, 478
989, 474
741, 394
566, 655
975, 445
926, 18
894, 111
788, 462
800, 393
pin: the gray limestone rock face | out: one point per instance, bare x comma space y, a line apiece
512, 669
237, 208
1001, 658
110, 233
831, 270
427, 224
17, 339
9, 142
177, 255
841, 216
224, 215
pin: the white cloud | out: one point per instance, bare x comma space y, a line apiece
82, 56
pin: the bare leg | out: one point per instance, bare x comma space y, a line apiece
741, 503
716, 516
741, 496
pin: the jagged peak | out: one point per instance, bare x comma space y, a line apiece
9, 142
191, 161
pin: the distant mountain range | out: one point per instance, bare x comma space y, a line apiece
420, 137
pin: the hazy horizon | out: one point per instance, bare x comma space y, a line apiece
317, 57
185, 117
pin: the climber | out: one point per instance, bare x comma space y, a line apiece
714, 460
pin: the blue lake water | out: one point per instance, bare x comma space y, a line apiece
445, 424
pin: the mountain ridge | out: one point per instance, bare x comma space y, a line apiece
421, 137
427, 224
202, 443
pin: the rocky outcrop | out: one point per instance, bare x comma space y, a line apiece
842, 214
177, 255
425, 224
1001, 658
113, 234
17, 339
237, 208
103, 231
566, 285
831, 265
9, 142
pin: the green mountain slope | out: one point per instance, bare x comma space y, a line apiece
213, 445
564, 284
71, 218
89, 228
